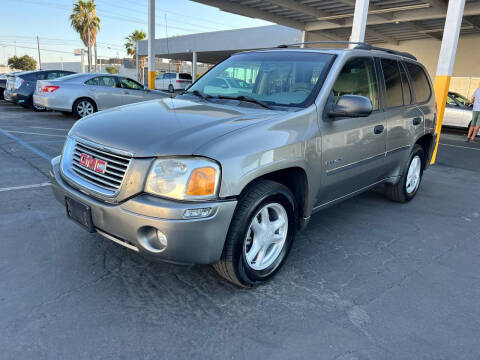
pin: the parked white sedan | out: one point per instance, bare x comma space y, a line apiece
84, 94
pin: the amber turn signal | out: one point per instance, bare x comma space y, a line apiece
202, 182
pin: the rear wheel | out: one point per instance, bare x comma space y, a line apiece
407, 187
170, 88
84, 107
260, 235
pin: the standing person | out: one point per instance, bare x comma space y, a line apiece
475, 125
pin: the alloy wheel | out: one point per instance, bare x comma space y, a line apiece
85, 108
266, 236
413, 175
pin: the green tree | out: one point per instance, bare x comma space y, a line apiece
85, 21
131, 47
112, 69
24, 62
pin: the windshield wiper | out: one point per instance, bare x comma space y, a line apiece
199, 94
246, 98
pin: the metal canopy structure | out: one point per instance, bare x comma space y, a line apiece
389, 21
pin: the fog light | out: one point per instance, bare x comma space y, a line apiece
152, 239
197, 213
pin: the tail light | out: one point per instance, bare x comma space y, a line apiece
50, 88
18, 82
180, 81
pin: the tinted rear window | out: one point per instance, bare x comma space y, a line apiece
420, 84
185, 76
393, 83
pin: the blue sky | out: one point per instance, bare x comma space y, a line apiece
23, 20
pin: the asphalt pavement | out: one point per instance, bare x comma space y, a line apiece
368, 279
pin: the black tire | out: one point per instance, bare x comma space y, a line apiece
66, 113
171, 88
75, 108
233, 265
398, 192
38, 109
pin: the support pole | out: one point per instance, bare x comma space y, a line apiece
151, 38
446, 60
194, 66
137, 65
304, 38
359, 21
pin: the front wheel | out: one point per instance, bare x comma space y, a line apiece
260, 235
407, 187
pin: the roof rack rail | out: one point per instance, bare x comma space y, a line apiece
322, 42
359, 46
366, 46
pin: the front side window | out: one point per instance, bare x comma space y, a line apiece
357, 78
393, 83
126, 83
108, 81
284, 78
420, 83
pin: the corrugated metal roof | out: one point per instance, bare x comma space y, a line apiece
389, 20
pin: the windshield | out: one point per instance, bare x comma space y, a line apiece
68, 77
285, 78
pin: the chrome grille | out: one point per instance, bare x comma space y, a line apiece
116, 168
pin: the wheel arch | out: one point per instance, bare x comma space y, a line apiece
296, 180
426, 142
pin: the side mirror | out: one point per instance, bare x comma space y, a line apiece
351, 106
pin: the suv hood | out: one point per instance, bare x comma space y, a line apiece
166, 126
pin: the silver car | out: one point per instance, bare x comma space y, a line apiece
173, 81
228, 180
84, 94
458, 111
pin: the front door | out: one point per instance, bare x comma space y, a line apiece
353, 149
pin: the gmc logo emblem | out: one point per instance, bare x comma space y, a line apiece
92, 163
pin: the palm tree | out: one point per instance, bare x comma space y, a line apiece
85, 21
131, 47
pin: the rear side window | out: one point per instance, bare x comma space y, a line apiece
393, 82
185, 76
420, 84
358, 78
108, 81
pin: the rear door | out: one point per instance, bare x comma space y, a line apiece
402, 115
105, 91
353, 149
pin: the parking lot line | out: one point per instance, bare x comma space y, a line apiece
34, 133
48, 128
24, 187
26, 145
462, 147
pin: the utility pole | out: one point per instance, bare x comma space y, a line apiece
39, 58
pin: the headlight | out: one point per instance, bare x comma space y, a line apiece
184, 178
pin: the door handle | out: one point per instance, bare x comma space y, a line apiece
417, 121
378, 129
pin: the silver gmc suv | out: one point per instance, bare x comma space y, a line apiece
228, 172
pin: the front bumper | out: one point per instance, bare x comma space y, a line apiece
189, 241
